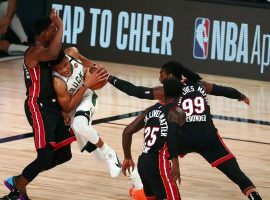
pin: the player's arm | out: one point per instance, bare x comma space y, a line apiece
136, 91
132, 128
74, 52
66, 101
39, 53
176, 118
229, 92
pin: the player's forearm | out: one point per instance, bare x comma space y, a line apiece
75, 100
130, 89
126, 144
56, 44
86, 62
228, 92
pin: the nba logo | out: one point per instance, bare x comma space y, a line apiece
201, 38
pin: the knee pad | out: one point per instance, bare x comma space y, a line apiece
83, 131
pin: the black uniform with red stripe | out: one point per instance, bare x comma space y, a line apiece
199, 133
153, 164
42, 110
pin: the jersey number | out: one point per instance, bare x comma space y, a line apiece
150, 135
193, 105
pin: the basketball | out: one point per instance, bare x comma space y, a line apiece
100, 84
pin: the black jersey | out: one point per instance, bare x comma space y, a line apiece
39, 81
156, 129
199, 124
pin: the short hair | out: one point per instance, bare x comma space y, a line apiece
172, 88
59, 58
178, 70
41, 25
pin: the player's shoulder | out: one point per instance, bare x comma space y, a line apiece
73, 52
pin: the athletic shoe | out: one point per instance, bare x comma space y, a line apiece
135, 179
14, 193
137, 194
113, 163
254, 196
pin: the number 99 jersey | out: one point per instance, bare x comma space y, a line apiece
199, 123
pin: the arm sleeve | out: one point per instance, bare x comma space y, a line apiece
226, 92
172, 139
130, 89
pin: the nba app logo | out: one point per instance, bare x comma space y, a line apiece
201, 38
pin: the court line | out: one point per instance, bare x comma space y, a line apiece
133, 114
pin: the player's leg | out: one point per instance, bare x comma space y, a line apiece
17, 184
219, 156
85, 133
155, 172
232, 170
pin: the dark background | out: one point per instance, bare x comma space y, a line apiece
183, 12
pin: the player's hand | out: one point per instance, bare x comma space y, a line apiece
56, 20
175, 173
99, 75
127, 166
245, 99
66, 117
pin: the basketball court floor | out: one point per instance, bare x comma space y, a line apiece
245, 130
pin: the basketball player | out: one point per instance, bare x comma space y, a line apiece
199, 133
161, 124
52, 137
73, 96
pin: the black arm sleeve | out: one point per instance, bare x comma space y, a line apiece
172, 139
226, 92
130, 89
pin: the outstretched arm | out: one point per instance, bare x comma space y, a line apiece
136, 91
224, 91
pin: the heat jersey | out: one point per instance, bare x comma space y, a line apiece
199, 124
156, 129
38, 80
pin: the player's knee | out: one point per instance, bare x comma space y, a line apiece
79, 126
68, 156
45, 161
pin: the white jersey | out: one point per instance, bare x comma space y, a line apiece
74, 82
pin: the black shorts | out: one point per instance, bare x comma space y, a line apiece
216, 152
213, 150
44, 115
154, 171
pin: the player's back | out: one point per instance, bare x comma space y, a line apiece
156, 129
199, 124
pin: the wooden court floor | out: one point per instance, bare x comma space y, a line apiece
84, 178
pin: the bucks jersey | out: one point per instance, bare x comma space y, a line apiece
39, 81
156, 129
75, 81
